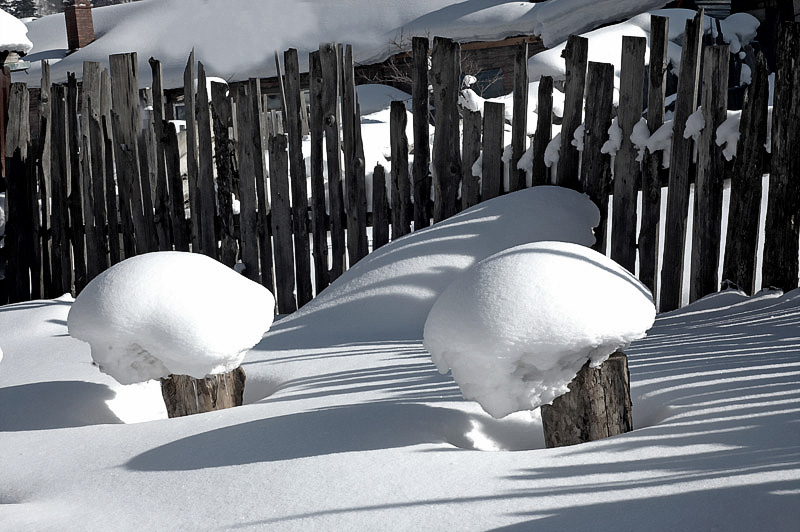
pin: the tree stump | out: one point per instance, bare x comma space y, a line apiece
598, 405
185, 395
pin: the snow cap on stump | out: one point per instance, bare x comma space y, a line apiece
170, 313
13, 34
517, 327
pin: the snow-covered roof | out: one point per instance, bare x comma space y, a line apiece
13, 34
236, 39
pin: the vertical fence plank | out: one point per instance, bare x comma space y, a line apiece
297, 167
651, 181
492, 166
626, 167
596, 165
446, 73
43, 171
680, 163
402, 210
540, 173
282, 223
420, 108
192, 169
519, 131
59, 175
783, 208
330, 105
94, 219
576, 57
206, 195
380, 220
262, 201
319, 219
180, 231
470, 151
112, 212
146, 140
247, 159
707, 228
745, 203
225, 159
161, 197
75, 201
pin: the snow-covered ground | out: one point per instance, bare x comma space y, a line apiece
349, 426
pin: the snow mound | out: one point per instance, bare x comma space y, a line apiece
516, 328
13, 34
170, 313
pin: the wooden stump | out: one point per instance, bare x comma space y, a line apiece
597, 406
185, 395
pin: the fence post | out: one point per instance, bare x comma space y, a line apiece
596, 165
492, 165
319, 218
262, 200
180, 231
330, 105
297, 167
192, 169
740, 247
626, 167
162, 201
227, 175
519, 131
247, 159
470, 151
783, 207
446, 70
95, 190
707, 229
206, 194
420, 108
43, 170
576, 56
59, 175
112, 212
540, 173
281, 223
402, 211
679, 167
651, 180
75, 200
380, 220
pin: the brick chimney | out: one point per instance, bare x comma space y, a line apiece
80, 28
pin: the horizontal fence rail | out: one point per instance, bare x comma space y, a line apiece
107, 175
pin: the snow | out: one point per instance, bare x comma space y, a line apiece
169, 312
13, 34
728, 134
516, 328
694, 124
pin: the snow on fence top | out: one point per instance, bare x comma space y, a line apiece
13, 34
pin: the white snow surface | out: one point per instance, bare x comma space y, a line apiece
170, 312
516, 328
13, 34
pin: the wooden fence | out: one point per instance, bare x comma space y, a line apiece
94, 190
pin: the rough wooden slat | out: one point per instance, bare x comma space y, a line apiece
297, 168
783, 208
225, 159
446, 159
192, 168
680, 164
707, 228
146, 139
576, 56
492, 165
43, 175
94, 172
77, 230
161, 200
380, 219
540, 172
651, 163
247, 159
181, 236
745, 203
420, 108
402, 209
112, 212
330, 106
470, 151
596, 165
206, 195
282, 224
626, 167
519, 130
319, 218
59, 175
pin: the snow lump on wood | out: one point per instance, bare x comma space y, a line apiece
517, 327
13, 34
170, 313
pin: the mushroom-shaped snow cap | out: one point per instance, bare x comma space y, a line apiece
13, 34
170, 312
516, 328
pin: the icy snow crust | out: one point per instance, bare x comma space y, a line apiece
13, 34
170, 313
517, 328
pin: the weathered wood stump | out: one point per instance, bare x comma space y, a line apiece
597, 406
185, 395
